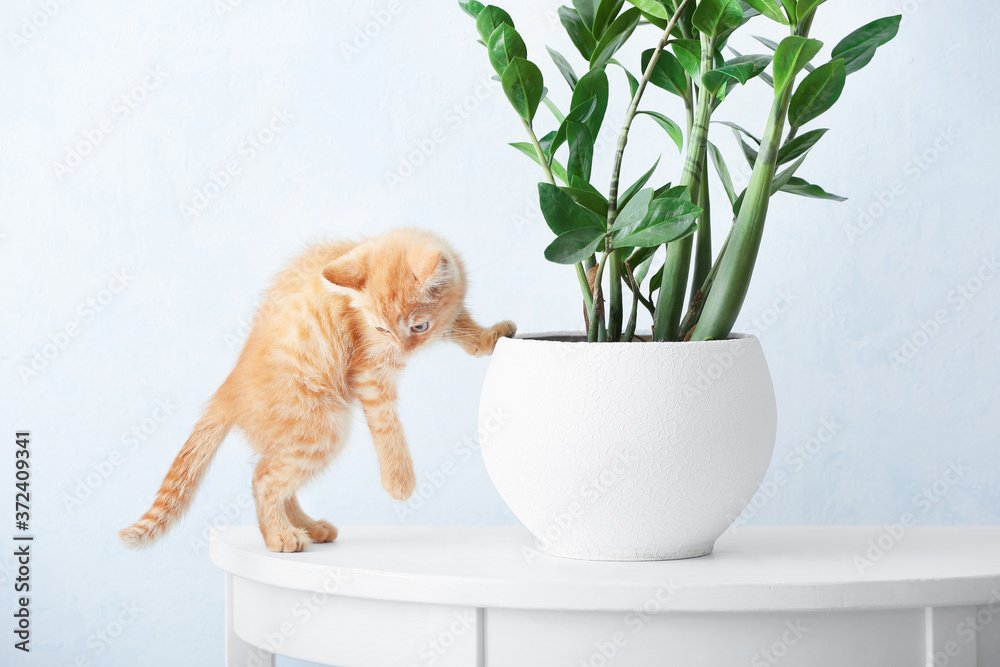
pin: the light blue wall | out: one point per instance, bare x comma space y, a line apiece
914, 145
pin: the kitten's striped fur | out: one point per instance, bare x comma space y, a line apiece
315, 348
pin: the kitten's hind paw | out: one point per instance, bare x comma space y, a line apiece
287, 541
322, 531
505, 329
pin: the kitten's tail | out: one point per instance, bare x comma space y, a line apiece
182, 480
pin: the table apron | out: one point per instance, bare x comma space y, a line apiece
359, 632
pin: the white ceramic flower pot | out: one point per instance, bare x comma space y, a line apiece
627, 451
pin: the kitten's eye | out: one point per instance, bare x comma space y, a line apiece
381, 330
419, 328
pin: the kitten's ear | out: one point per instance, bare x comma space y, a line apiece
347, 273
429, 266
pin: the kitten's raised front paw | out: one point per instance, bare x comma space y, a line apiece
400, 482
289, 540
322, 531
505, 329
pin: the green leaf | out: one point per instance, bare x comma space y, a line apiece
668, 73
547, 140
770, 9
655, 280
616, 35
799, 145
593, 84
522, 84
718, 60
581, 113
578, 31
558, 115
777, 183
712, 17
749, 153
667, 220
505, 45
587, 9
669, 126
817, 93
719, 86
489, 19
580, 184
564, 67
584, 111
637, 186
739, 202
740, 69
640, 255
781, 179
562, 214
769, 43
607, 11
743, 68
653, 235
574, 246
633, 213
739, 128
805, 7
581, 150
645, 258
797, 186
653, 8
723, 171
773, 45
858, 48
792, 54
558, 170
688, 52
789, 6
471, 7
633, 83
587, 198
673, 192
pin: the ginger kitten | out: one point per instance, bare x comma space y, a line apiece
335, 327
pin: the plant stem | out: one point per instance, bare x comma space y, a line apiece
726, 298
542, 160
729, 289
802, 29
588, 298
636, 295
646, 303
805, 25
681, 25
581, 273
703, 247
688, 104
630, 114
673, 285
698, 301
637, 298
592, 312
615, 307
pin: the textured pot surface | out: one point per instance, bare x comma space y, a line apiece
627, 451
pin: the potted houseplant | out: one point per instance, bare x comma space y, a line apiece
616, 445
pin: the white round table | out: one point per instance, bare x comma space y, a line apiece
486, 596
